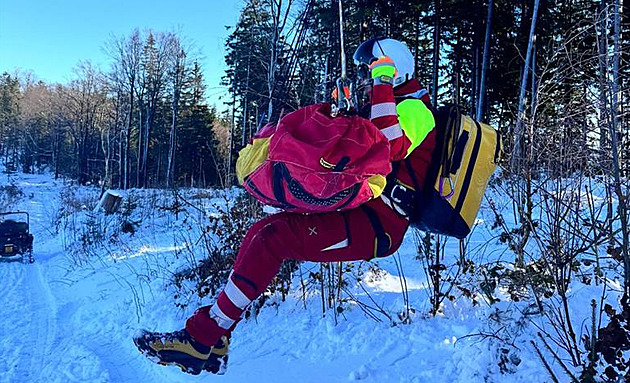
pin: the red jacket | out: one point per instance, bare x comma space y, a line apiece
385, 117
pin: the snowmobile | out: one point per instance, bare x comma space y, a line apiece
15, 239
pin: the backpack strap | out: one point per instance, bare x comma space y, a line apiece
443, 162
452, 128
412, 174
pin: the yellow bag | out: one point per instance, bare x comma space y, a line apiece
466, 155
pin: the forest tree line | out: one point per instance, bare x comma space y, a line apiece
145, 121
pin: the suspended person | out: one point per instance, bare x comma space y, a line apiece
401, 109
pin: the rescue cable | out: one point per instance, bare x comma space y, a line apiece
344, 100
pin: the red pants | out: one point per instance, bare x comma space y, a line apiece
371, 230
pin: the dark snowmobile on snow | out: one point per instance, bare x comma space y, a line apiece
15, 239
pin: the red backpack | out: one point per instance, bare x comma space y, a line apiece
311, 162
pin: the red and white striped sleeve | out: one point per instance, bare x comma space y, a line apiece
383, 115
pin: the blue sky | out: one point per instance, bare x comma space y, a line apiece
49, 37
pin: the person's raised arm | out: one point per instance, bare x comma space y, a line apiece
383, 113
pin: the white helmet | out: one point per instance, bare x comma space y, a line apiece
373, 48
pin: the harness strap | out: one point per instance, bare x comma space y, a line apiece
383, 241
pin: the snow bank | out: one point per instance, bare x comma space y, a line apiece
70, 316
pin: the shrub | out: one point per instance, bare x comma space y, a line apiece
9, 195
220, 237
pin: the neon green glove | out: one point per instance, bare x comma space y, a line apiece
383, 70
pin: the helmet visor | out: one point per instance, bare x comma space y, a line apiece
363, 54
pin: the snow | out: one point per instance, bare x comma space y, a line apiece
71, 318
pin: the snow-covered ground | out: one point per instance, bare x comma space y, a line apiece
67, 318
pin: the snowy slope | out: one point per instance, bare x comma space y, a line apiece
65, 319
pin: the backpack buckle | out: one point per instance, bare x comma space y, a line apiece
393, 192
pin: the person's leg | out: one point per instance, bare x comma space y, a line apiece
372, 230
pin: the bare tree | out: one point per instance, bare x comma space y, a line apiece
85, 100
523, 183
126, 55
520, 116
116, 120
614, 129
156, 55
34, 127
179, 70
279, 18
602, 48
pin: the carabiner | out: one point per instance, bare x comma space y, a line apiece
451, 185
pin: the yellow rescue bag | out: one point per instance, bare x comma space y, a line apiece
466, 155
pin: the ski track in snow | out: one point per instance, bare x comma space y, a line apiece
38, 343
49, 328
42, 312
33, 329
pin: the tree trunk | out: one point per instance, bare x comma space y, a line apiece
271, 75
56, 150
228, 175
83, 156
145, 151
484, 66
175, 110
172, 142
614, 129
140, 145
474, 81
245, 104
106, 146
520, 116
121, 147
457, 71
127, 158
602, 50
533, 102
127, 164
436, 53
